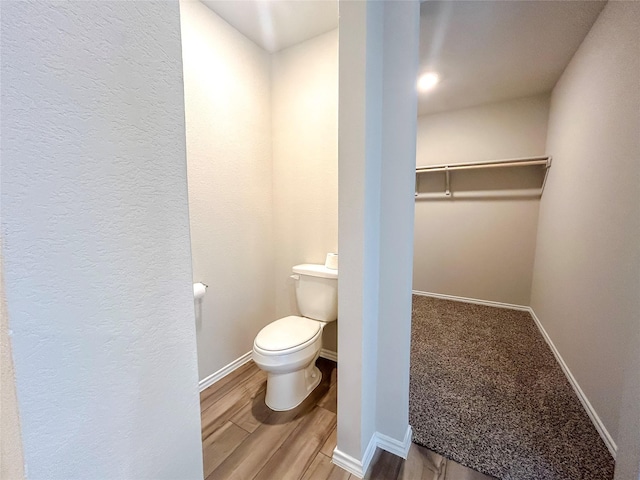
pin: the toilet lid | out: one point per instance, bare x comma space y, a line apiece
287, 333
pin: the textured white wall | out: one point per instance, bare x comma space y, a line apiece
96, 240
587, 266
305, 162
228, 119
482, 248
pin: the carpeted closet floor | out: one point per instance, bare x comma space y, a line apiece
487, 392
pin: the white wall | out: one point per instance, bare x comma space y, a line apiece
399, 113
305, 162
628, 455
480, 248
587, 267
96, 240
229, 156
377, 111
359, 228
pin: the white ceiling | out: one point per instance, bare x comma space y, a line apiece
486, 51
278, 24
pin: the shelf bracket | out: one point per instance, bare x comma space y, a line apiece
447, 184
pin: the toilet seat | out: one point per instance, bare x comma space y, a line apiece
287, 335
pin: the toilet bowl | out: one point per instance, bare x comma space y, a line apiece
288, 348
289, 360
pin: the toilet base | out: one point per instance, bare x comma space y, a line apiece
286, 391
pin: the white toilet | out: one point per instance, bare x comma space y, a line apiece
287, 349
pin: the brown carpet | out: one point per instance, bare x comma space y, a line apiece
487, 392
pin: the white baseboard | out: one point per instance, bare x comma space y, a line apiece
476, 301
595, 419
224, 371
329, 355
391, 445
352, 465
348, 463
359, 467
238, 362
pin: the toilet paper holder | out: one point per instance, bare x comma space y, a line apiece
199, 289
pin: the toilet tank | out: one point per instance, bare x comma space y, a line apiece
317, 292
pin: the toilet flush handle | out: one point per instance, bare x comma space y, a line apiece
295, 276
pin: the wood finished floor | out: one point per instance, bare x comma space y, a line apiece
243, 439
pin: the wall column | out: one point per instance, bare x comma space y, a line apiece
376, 146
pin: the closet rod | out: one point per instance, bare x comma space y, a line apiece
513, 162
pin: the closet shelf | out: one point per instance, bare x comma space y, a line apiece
544, 162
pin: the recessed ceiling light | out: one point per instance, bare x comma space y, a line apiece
428, 81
